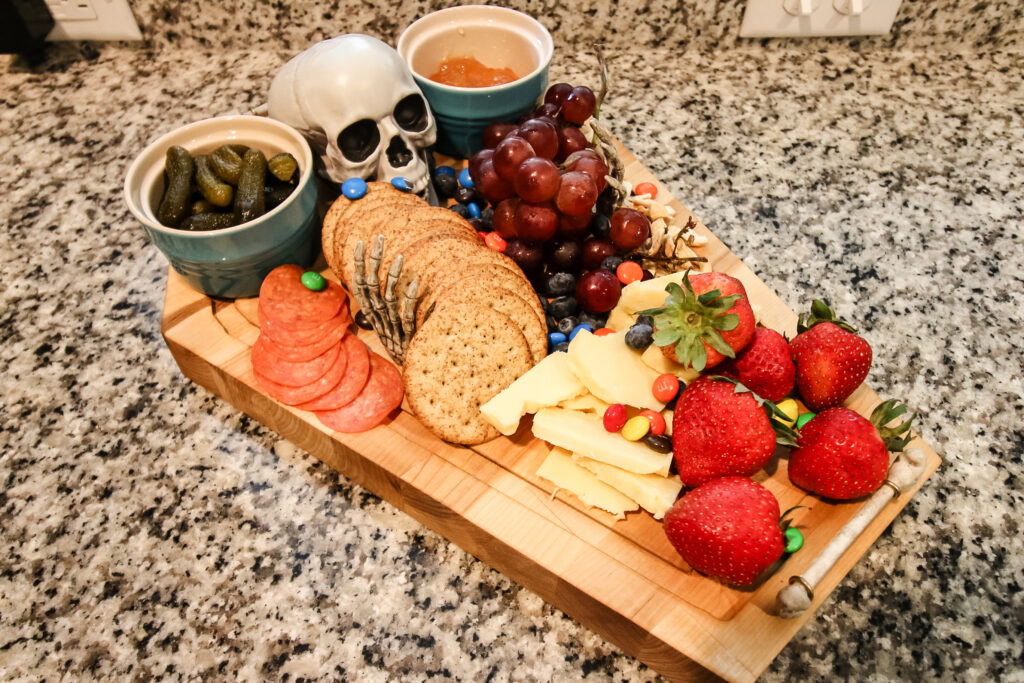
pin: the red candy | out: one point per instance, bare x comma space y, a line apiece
646, 188
665, 387
615, 417
656, 419
603, 331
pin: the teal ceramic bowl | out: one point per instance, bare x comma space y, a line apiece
232, 262
498, 38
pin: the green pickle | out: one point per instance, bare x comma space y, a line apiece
227, 164
249, 201
208, 221
202, 206
212, 188
276, 192
176, 202
282, 166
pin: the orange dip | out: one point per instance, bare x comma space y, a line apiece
467, 72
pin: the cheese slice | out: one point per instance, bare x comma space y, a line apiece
560, 470
639, 296
584, 433
587, 403
654, 493
669, 415
656, 360
545, 384
612, 371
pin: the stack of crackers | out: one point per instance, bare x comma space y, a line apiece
479, 323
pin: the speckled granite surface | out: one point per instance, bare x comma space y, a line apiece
147, 529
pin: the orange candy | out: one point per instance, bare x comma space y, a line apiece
646, 188
656, 419
665, 387
495, 242
603, 331
629, 271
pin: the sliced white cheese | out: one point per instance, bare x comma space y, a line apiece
639, 296
656, 360
585, 434
654, 493
669, 416
545, 384
587, 403
612, 371
560, 470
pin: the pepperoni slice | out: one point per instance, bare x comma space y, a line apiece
307, 351
382, 394
292, 373
356, 374
286, 301
295, 395
301, 334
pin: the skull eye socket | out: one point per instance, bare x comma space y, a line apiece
411, 113
359, 140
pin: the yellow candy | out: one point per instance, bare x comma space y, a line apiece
791, 410
636, 428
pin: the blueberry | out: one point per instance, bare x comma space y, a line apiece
563, 346
446, 185
552, 323
487, 218
639, 337
600, 225
465, 195
561, 284
563, 306
595, 320
477, 224
644, 320
610, 263
460, 209
567, 324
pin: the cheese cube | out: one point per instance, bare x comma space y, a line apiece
656, 360
585, 434
654, 493
639, 296
560, 470
612, 371
545, 384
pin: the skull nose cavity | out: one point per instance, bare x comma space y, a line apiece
399, 155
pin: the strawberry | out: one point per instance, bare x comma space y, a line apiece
765, 366
720, 428
728, 528
831, 360
706, 322
842, 455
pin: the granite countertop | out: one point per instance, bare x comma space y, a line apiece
149, 529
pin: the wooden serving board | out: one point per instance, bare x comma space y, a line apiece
622, 579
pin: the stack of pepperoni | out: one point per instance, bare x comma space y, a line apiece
305, 357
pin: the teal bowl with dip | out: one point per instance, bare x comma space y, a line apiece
231, 262
498, 38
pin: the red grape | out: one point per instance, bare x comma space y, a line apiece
564, 256
596, 250
577, 194
537, 180
590, 162
509, 153
527, 256
542, 135
573, 227
557, 93
536, 222
496, 132
579, 105
629, 229
505, 218
476, 160
547, 110
598, 291
488, 183
570, 140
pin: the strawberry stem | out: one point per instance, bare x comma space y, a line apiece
820, 313
896, 437
784, 520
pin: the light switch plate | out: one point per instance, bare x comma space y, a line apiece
773, 18
92, 20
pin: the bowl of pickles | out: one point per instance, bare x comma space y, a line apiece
227, 200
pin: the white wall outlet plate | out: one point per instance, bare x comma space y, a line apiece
787, 18
92, 20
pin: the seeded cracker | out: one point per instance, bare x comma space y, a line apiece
474, 276
462, 357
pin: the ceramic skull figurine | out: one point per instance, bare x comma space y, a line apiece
355, 101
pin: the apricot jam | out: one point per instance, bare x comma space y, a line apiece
468, 72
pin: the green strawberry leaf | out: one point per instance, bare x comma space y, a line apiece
727, 322
896, 437
820, 313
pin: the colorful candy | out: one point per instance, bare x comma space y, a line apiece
636, 428
656, 419
614, 417
666, 387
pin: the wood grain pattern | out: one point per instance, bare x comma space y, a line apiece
620, 578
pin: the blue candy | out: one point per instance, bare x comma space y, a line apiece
445, 170
576, 330
556, 338
474, 210
464, 178
401, 183
354, 188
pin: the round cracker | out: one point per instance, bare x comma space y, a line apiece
367, 223
462, 357
507, 302
476, 275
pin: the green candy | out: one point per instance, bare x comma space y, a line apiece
313, 280
794, 540
804, 419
